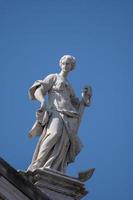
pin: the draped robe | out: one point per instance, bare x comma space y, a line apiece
57, 124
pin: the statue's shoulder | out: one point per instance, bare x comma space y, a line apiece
48, 81
51, 77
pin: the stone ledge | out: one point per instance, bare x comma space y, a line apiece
18, 181
46, 184
58, 186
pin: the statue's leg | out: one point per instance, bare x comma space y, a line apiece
47, 143
58, 159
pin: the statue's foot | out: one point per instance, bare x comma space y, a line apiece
28, 175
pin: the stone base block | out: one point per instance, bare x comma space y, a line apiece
58, 186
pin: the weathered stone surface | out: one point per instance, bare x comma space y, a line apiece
10, 192
13, 186
46, 184
58, 186
86, 175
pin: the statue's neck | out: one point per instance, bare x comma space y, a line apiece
64, 74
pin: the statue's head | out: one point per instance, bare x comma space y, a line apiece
68, 58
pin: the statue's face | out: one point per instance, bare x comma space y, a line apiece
66, 65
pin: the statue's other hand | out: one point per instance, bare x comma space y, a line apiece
86, 95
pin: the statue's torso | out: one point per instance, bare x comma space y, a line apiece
60, 96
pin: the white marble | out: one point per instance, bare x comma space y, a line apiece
58, 120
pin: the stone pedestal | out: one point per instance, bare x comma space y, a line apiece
45, 184
58, 186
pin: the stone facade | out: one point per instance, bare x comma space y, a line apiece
58, 186
13, 186
44, 184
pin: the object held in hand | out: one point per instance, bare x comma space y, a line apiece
88, 89
86, 94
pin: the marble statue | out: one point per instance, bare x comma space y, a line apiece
58, 119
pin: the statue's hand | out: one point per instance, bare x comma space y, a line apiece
86, 95
42, 107
42, 114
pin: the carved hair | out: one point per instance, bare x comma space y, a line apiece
69, 57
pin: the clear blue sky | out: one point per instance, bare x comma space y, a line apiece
34, 34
